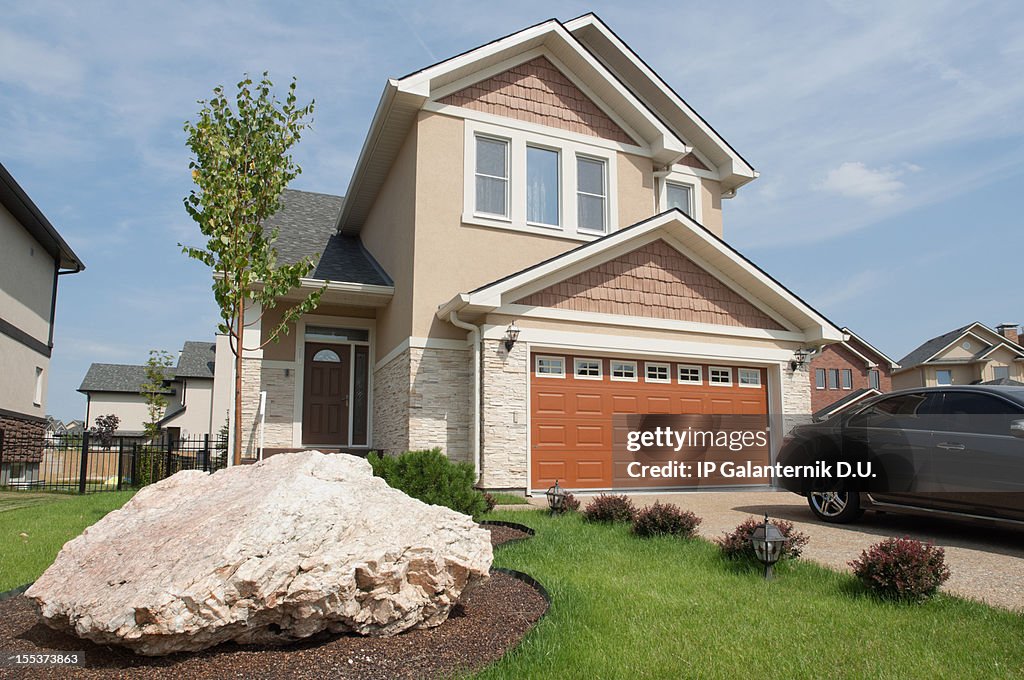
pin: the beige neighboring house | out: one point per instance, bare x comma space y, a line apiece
968, 355
33, 256
115, 389
549, 184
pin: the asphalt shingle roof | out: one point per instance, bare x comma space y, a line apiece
113, 378
196, 360
930, 347
307, 225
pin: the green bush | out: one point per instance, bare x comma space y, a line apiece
432, 478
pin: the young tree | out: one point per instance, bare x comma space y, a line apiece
241, 165
105, 427
154, 391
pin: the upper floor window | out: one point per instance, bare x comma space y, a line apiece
679, 196
37, 399
874, 379
542, 204
819, 378
592, 191
847, 376
492, 176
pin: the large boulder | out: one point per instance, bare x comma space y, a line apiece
267, 553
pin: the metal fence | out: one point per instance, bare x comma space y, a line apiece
89, 463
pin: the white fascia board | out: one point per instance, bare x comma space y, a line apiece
1001, 345
384, 105
888, 359
968, 331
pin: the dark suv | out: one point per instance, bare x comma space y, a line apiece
952, 450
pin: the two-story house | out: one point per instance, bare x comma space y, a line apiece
531, 241
33, 256
967, 355
846, 372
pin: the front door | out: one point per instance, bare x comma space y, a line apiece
325, 394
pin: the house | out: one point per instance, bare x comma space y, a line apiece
532, 240
846, 372
116, 389
968, 355
33, 256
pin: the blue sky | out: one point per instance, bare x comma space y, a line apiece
889, 139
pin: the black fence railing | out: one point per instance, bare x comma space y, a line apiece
88, 463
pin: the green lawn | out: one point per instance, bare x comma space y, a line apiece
34, 531
625, 607
508, 499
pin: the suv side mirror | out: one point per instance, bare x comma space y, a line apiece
1017, 428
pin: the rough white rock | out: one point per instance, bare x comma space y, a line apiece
266, 553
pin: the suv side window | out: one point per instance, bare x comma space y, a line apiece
976, 414
904, 411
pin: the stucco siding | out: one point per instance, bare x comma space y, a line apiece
26, 279
18, 366
131, 409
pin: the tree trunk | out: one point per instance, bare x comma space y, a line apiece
238, 385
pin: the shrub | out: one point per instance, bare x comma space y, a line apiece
736, 543
432, 478
607, 508
489, 501
902, 569
570, 503
665, 520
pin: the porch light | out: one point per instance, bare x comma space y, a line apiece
799, 359
511, 335
768, 543
556, 498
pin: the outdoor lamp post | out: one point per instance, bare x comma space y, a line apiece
768, 543
556, 498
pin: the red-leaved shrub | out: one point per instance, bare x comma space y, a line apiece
570, 503
736, 545
902, 569
490, 501
607, 508
665, 520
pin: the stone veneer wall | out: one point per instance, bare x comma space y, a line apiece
23, 439
440, 395
391, 405
504, 416
796, 398
280, 389
252, 385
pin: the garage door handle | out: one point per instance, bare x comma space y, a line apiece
950, 446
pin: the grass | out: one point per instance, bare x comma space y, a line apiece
624, 607
508, 499
34, 527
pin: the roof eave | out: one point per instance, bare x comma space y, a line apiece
14, 198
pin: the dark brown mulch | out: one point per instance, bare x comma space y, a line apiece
488, 622
504, 534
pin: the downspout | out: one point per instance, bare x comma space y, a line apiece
474, 337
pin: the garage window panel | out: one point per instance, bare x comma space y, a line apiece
689, 375
587, 369
550, 367
657, 373
623, 371
720, 376
750, 377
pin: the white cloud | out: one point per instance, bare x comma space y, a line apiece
851, 288
853, 179
37, 66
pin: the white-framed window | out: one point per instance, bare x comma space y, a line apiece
657, 373
833, 378
819, 378
492, 173
550, 367
720, 376
943, 377
1001, 372
587, 369
847, 375
38, 398
543, 206
592, 194
623, 371
679, 195
750, 377
874, 379
526, 180
689, 375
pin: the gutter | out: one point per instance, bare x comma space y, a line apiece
474, 338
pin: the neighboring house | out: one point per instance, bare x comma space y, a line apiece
116, 389
32, 258
550, 182
55, 427
847, 372
968, 355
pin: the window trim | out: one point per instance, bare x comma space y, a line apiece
820, 385
875, 379
37, 397
658, 364
624, 362
943, 370
507, 178
685, 175
755, 371
606, 198
558, 183
536, 366
845, 373
832, 373
576, 368
713, 383
679, 374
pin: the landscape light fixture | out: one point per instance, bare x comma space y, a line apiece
556, 498
511, 335
768, 543
799, 359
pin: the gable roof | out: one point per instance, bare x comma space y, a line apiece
928, 350
123, 378
17, 202
306, 225
196, 360
861, 341
403, 98
711, 252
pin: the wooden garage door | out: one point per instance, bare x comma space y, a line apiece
571, 409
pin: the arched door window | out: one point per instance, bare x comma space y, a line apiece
327, 355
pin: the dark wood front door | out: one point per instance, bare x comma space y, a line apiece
325, 394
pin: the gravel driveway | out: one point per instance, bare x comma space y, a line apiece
987, 562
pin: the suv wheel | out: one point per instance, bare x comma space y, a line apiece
837, 506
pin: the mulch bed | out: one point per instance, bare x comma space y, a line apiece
488, 622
